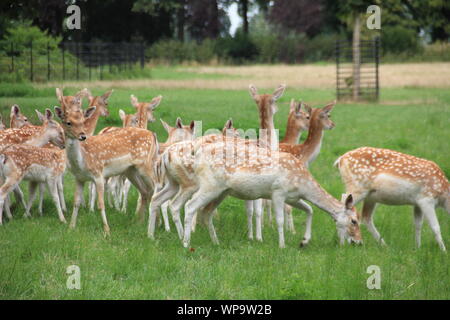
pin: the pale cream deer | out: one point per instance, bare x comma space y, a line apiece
250, 174
16, 118
375, 175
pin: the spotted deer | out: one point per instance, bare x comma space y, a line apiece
252, 174
35, 164
101, 102
16, 118
128, 151
71, 103
175, 179
38, 136
375, 175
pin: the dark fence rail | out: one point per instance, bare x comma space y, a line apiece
369, 86
70, 60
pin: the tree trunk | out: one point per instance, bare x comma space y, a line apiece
356, 57
180, 20
244, 15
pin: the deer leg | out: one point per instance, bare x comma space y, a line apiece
249, 208
367, 216
100, 187
200, 199
92, 196
269, 211
418, 221
258, 207
5, 189
53, 188
60, 186
76, 206
125, 190
164, 207
7, 206
430, 215
32, 195
18, 194
207, 213
302, 205
177, 203
278, 205
159, 198
41, 198
289, 218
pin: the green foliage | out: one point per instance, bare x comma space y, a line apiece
175, 52
238, 49
398, 39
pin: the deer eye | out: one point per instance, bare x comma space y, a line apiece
354, 222
69, 123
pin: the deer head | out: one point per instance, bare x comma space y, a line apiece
71, 103
347, 223
180, 132
17, 119
323, 115
128, 120
266, 102
52, 129
145, 109
299, 115
73, 122
101, 102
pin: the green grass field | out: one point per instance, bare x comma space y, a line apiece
34, 253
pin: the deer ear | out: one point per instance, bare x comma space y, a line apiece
165, 125
278, 92
59, 95
179, 123
134, 101
89, 112
48, 114
329, 107
107, 94
292, 105
122, 115
59, 113
307, 108
349, 202
298, 108
229, 124
155, 102
41, 117
192, 125
15, 110
253, 91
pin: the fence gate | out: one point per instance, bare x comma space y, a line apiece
369, 88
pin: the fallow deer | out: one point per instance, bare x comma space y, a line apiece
71, 103
175, 179
129, 151
35, 164
375, 175
101, 102
17, 119
250, 174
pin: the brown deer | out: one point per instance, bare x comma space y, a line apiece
35, 164
17, 119
101, 102
71, 103
250, 174
375, 175
129, 151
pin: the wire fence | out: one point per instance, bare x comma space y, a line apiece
369, 86
69, 60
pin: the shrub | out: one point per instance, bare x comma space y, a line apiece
398, 39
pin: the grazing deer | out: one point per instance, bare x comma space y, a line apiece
35, 164
385, 176
247, 175
175, 179
17, 119
129, 151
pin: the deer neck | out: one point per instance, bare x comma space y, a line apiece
310, 149
91, 123
39, 139
268, 134
75, 154
292, 133
142, 119
314, 193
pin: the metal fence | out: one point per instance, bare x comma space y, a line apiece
70, 61
369, 86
